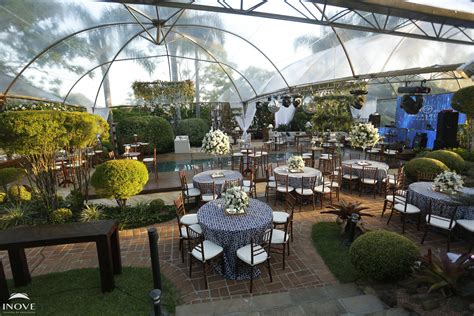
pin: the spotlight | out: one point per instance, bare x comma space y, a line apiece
297, 100
258, 104
358, 102
286, 101
410, 105
274, 106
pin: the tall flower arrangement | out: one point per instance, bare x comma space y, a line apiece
236, 199
216, 142
448, 182
364, 135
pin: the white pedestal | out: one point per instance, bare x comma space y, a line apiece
181, 145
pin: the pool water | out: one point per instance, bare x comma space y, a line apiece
170, 166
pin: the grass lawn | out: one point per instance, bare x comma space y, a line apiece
77, 292
327, 240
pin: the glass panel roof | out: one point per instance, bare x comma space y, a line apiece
90, 52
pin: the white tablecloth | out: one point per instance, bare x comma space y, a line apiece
295, 178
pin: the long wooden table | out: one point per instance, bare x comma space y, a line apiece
103, 233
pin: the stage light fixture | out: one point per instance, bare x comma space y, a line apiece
412, 103
286, 101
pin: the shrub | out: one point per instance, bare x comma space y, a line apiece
156, 205
383, 255
151, 129
9, 175
463, 101
13, 217
452, 160
427, 165
91, 213
19, 193
60, 216
464, 153
119, 179
75, 200
3, 197
195, 128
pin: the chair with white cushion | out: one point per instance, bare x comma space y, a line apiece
203, 251
249, 186
188, 189
467, 224
208, 192
440, 221
282, 186
280, 217
335, 183
270, 180
322, 190
231, 183
280, 239
255, 253
305, 192
184, 220
349, 176
369, 178
404, 208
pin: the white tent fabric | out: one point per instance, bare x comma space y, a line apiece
284, 115
246, 120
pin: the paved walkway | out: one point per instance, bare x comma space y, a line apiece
305, 268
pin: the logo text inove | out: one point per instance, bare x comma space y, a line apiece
23, 307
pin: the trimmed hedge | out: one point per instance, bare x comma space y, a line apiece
60, 216
451, 159
427, 165
157, 204
383, 255
150, 129
195, 128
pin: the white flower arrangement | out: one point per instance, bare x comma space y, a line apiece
236, 200
364, 135
216, 142
448, 182
295, 163
42, 107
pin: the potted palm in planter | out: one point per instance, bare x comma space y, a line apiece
349, 216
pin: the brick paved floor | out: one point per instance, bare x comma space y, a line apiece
305, 268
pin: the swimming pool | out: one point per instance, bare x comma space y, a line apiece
170, 166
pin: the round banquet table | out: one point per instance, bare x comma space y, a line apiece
294, 179
205, 177
422, 195
234, 231
357, 169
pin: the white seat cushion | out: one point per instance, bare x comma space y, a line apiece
467, 224
190, 185
411, 209
319, 189
272, 184
325, 156
439, 221
278, 236
189, 219
210, 251
148, 159
391, 180
192, 192
400, 199
282, 188
248, 183
334, 185
245, 254
335, 173
237, 155
368, 181
271, 178
390, 152
307, 156
302, 191
349, 177
206, 197
280, 217
246, 189
196, 227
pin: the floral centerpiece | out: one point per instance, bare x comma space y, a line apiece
216, 142
295, 164
364, 135
448, 182
236, 201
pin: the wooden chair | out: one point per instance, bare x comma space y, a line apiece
280, 217
270, 180
322, 190
369, 179
249, 185
283, 187
349, 176
425, 176
255, 253
305, 192
153, 162
208, 192
281, 238
354, 156
404, 208
203, 251
307, 157
441, 222
184, 220
230, 184
335, 183
188, 189
468, 225
111, 155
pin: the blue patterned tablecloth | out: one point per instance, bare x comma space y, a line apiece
234, 231
205, 177
295, 178
421, 195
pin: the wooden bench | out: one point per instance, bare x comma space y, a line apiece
103, 233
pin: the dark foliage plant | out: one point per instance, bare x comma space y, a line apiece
195, 128
424, 165
451, 159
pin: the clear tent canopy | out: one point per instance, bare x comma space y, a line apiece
90, 53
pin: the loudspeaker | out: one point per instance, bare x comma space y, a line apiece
374, 118
420, 140
447, 130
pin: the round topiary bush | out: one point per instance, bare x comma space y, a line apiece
463, 101
19, 193
427, 165
383, 255
119, 179
3, 197
9, 175
60, 216
150, 129
451, 159
195, 128
157, 204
